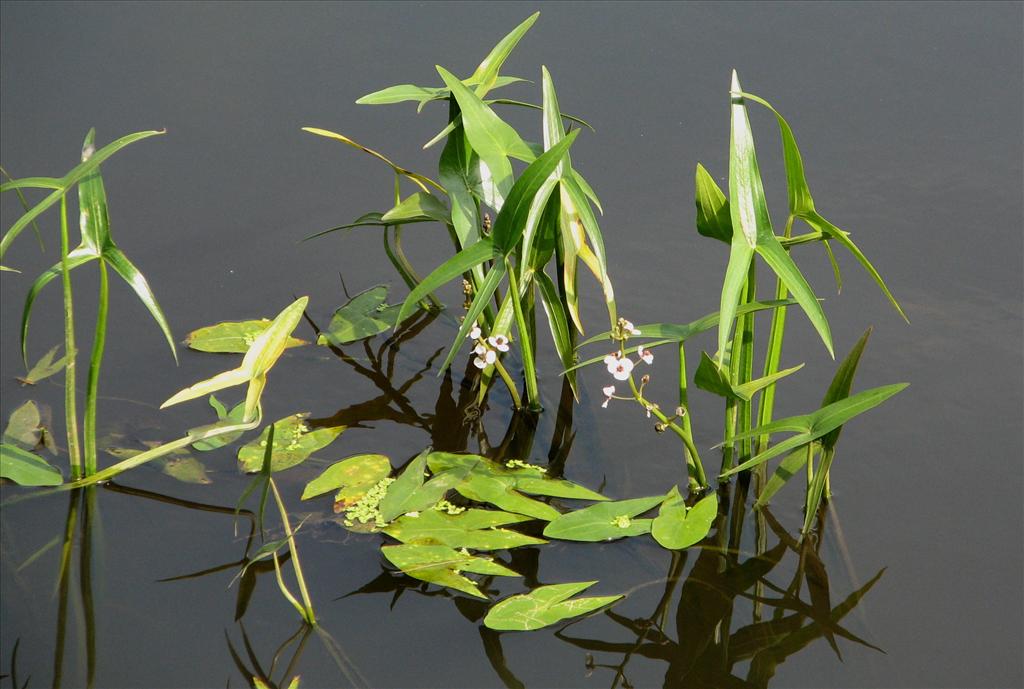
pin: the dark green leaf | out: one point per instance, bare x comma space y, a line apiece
454, 267
713, 218
365, 315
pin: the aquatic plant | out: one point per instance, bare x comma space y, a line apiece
96, 245
542, 217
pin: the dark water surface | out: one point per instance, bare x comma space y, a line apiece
909, 118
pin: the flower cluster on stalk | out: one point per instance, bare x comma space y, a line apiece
486, 350
621, 366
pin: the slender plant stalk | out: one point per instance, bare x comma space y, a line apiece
70, 397
529, 369
63, 579
307, 605
745, 367
95, 361
675, 428
509, 383
692, 456
85, 583
773, 355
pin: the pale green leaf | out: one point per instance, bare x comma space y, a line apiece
294, 442
231, 337
27, 469
475, 529
604, 521
351, 477
441, 565
544, 606
678, 526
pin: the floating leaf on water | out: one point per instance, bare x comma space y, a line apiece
351, 477
544, 606
678, 526
525, 477
365, 315
44, 368
604, 521
236, 415
232, 337
294, 442
27, 469
476, 529
409, 493
441, 565
186, 469
23, 427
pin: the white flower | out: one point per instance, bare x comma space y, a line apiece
628, 327
645, 355
608, 391
611, 361
484, 356
499, 342
475, 333
623, 367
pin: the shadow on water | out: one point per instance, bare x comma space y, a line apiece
728, 615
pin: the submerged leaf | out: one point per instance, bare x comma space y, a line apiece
47, 365
234, 416
294, 442
23, 427
365, 315
231, 337
186, 469
27, 469
441, 565
544, 606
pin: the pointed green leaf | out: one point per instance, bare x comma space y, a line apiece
351, 477
475, 529
558, 322
787, 469
604, 521
842, 383
511, 220
441, 565
27, 469
817, 423
231, 337
419, 207
480, 301
135, 279
76, 258
545, 605
365, 315
713, 216
186, 469
491, 137
47, 365
487, 71
454, 267
69, 180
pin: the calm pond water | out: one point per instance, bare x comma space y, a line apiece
909, 118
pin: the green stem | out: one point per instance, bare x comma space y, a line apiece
70, 397
675, 428
692, 457
773, 355
98, 344
308, 615
745, 368
529, 370
509, 383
